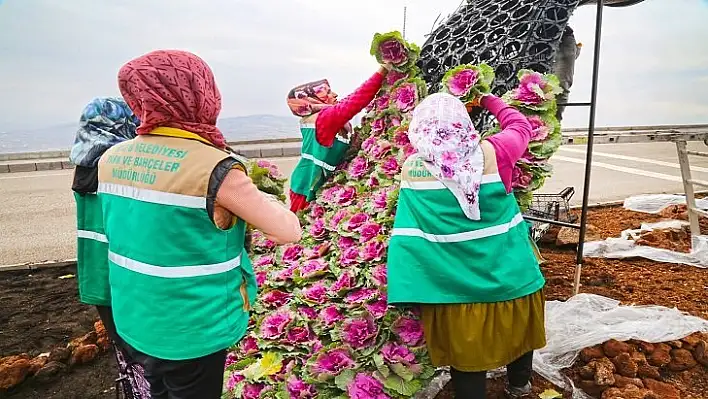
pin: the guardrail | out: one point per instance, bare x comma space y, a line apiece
290, 147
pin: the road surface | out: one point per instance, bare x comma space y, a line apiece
37, 213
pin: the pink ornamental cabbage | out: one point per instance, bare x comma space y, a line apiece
233, 380
531, 89
356, 221
345, 242
400, 138
313, 268
382, 102
253, 391
520, 178
395, 353
409, 331
345, 282
358, 167
346, 196
330, 315
364, 386
318, 250
377, 308
373, 250
261, 278
539, 129
285, 274
394, 76
408, 151
381, 200
248, 345
462, 82
361, 295
331, 363
264, 261
378, 125
308, 312
292, 253
393, 51
369, 231
316, 293
381, 149
299, 335
349, 256
369, 144
276, 298
231, 358
273, 325
405, 97
390, 167
298, 389
316, 211
330, 194
317, 229
373, 181
379, 275
337, 218
360, 333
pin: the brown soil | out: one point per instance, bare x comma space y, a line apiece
40, 311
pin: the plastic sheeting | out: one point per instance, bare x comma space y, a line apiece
626, 247
586, 320
655, 203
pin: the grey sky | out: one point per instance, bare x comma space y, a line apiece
58, 54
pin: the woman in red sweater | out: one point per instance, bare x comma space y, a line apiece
325, 130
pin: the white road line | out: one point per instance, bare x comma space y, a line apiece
27, 175
634, 159
623, 169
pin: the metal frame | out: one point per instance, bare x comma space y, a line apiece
688, 183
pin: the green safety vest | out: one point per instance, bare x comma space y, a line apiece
439, 256
91, 251
177, 280
317, 162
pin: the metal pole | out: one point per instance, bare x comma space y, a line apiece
404, 21
591, 136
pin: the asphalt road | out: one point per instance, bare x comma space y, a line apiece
37, 220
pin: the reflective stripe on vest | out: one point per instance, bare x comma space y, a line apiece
174, 271
153, 196
92, 235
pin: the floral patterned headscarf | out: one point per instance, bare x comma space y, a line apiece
105, 122
310, 98
443, 134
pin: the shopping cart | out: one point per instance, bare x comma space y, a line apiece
553, 207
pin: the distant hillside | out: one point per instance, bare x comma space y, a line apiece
238, 128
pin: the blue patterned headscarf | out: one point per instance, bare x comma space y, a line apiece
105, 122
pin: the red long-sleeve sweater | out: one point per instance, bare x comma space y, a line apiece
333, 119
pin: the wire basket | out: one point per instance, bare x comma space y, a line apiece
550, 207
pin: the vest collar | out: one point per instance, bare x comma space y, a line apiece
179, 133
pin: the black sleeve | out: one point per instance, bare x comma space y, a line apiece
85, 180
217, 177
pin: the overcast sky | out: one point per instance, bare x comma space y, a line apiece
55, 55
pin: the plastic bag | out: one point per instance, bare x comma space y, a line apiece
625, 247
655, 203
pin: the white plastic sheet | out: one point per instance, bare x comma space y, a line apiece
586, 320
625, 247
655, 203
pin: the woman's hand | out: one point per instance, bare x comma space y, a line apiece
385, 68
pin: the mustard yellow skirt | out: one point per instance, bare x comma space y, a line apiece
484, 336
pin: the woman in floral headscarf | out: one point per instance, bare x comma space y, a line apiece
460, 249
105, 122
325, 130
